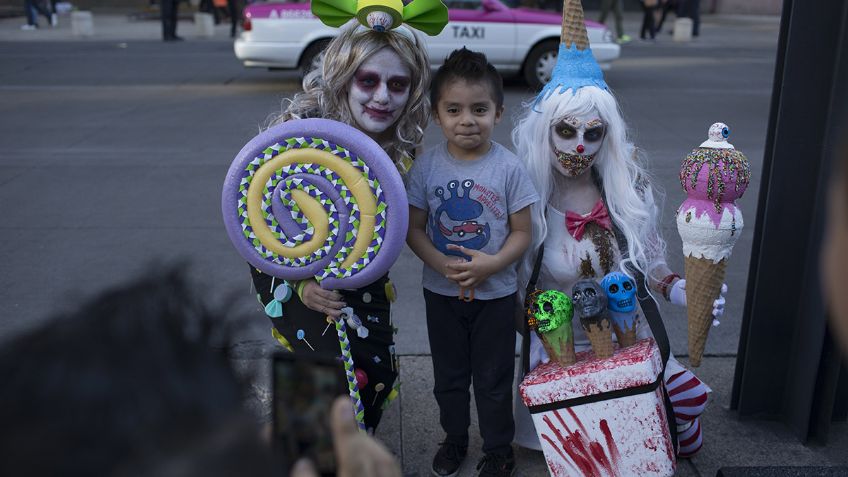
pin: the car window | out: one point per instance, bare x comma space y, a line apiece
464, 4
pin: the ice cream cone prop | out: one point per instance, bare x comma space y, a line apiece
590, 305
624, 327
705, 279
576, 65
621, 303
714, 175
550, 315
428, 16
600, 335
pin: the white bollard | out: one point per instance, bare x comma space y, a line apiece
204, 23
683, 29
82, 23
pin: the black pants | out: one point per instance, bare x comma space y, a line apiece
667, 6
169, 18
32, 8
374, 354
473, 343
648, 22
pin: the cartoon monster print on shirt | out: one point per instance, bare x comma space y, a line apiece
455, 221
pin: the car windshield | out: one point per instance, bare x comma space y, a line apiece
464, 4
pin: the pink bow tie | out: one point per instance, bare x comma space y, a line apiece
576, 224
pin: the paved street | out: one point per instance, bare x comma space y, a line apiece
113, 151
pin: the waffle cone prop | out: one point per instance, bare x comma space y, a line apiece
590, 305
625, 330
600, 335
550, 314
713, 175
621, 303
703, 284
574, 25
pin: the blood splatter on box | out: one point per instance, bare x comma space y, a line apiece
603, 417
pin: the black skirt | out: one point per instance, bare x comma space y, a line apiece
373, 354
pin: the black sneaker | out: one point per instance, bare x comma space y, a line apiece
448, 459
500, 465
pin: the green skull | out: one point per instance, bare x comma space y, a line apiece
553, 309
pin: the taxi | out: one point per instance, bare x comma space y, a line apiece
524, 41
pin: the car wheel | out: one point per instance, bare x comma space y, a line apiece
312, 53
540, 63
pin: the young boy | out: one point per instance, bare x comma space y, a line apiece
469, 222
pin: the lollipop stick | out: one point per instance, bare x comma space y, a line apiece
347, 359
462, 294
329, 322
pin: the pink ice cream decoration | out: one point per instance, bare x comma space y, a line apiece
714, 175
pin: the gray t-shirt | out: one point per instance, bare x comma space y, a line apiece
468, 203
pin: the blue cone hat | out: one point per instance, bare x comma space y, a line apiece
576, 67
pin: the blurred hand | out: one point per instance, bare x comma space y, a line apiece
677, 296
357, 454
328, 302
472, 272
537, 351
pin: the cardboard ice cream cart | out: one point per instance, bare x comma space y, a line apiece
604, 417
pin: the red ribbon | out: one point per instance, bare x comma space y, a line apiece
576, 224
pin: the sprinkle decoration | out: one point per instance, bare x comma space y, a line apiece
301, 335
713, 170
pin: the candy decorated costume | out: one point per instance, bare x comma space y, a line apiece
347, 86
597, 213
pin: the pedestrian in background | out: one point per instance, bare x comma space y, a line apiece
649, 8
690, 9
169, 20
615, 5
234, 11
32, 8
665, 7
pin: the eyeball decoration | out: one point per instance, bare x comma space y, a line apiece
621, 292
428, 16
315, 198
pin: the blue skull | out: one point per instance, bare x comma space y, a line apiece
621, 292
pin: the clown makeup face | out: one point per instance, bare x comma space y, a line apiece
575, 141
379, 92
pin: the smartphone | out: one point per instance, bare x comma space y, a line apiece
304, 387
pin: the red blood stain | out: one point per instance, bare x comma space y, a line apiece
590, 457
660, 409
614, 454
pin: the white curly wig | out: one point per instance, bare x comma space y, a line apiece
626, 186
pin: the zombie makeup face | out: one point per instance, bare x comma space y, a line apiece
575, 140
588, 298
379, 91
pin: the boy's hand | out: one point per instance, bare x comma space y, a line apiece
475, 271
446, 265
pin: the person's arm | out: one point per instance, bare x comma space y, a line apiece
421, 245
482, 265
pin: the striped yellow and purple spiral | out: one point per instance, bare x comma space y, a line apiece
316, 198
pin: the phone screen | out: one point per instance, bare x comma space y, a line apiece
304, 387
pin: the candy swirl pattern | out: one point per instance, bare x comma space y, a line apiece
316, 198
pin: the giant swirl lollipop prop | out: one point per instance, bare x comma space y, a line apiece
315, 198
